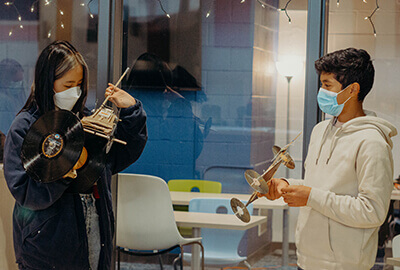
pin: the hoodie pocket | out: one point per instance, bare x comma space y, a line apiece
312, 235
347, 242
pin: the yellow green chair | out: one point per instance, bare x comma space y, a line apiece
191, 185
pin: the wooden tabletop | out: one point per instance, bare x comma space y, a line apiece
393, 261
215, 221
395, 194
183, 198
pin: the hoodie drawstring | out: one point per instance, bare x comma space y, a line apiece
333, 144
322, 142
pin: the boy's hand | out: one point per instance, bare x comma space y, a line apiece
296, 195
275, 186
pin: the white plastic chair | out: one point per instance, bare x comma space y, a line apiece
396, 248
145, 218
220, 246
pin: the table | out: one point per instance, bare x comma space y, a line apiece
183, 198
393, 261
395, 194
214, 221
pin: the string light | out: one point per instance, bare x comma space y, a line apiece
33, 6
261, 3
210, 8
19, 15
162, 8
32, 9
88, 6
370, 17
285, 9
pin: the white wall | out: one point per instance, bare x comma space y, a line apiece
7, 257
348, 28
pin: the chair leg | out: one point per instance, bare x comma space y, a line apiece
160, 261
119, 259
247, 265
176, 261
181, 259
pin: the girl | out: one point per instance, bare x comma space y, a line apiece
55, 229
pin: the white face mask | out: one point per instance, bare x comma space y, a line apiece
66, 100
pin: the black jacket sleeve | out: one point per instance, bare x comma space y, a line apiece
26, 191
133, 130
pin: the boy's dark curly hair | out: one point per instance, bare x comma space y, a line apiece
349, 66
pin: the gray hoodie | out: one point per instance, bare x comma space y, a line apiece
350, 171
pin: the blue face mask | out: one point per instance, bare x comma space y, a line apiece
327, 102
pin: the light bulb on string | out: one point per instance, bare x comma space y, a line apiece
370, 17
261, 3
11, 31
88, 7
285, 10
210, 8
162, 8
19, 16
33, 6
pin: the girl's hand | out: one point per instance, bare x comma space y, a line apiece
119, 97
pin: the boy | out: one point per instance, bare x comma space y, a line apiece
348, 179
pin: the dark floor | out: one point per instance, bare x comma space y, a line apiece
268, 257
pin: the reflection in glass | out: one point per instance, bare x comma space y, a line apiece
29, 26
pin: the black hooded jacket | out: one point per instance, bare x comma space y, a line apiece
48, 221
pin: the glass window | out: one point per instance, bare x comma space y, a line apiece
348, 27
29, 26
237, 107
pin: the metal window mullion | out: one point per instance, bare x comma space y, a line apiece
316, 47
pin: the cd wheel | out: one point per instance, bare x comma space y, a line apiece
240, 210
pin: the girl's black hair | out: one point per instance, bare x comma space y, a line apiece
53, 63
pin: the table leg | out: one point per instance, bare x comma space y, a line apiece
196, 250
285, 239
